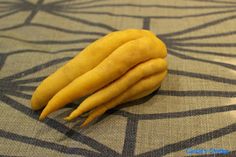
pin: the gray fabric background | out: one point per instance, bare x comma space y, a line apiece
194, 108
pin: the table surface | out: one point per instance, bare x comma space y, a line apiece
194, 108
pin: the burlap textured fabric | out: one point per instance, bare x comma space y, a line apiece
194, 108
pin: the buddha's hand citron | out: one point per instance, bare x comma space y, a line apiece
119, 67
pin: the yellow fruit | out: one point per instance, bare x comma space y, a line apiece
122, 66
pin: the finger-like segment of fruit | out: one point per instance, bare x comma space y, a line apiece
159, 42
142, 88
95, 113
86, 60
141, 95
120, 85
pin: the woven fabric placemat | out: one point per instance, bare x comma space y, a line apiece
193, 110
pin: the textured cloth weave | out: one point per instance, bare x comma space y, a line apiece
194, 108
